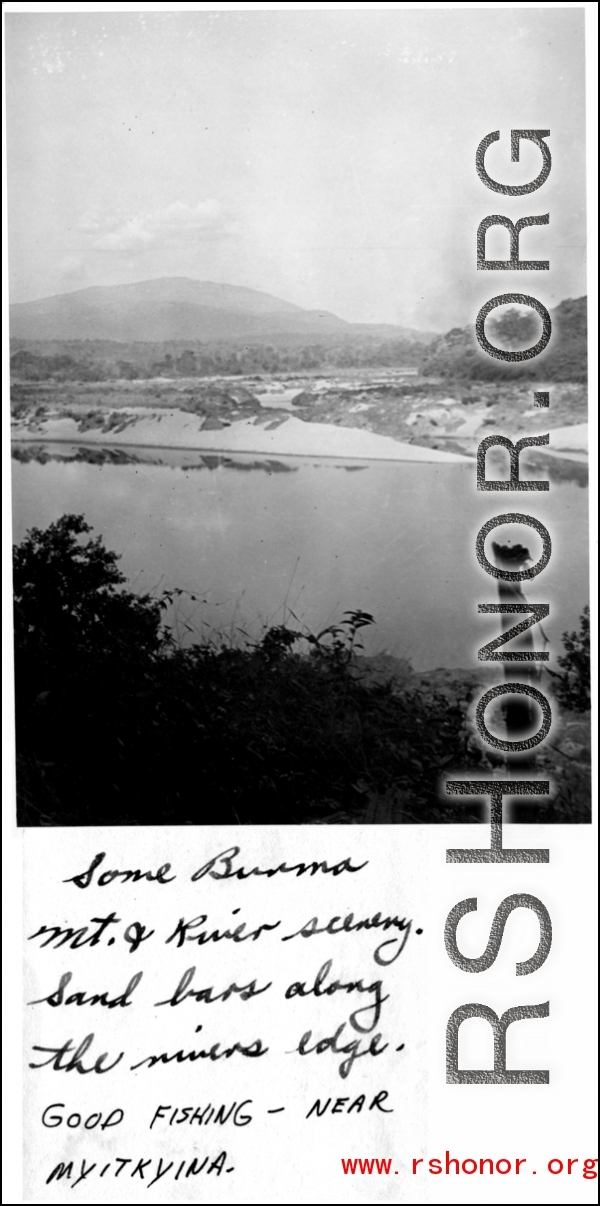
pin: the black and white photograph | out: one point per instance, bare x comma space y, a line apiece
247, 397
299, 756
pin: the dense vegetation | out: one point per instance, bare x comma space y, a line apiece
457, 354
117, 724
454, 355
573, 686
99, 361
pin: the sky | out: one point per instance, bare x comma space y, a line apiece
326, 156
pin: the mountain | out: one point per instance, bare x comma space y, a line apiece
179, 308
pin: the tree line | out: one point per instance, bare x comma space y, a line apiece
454, 355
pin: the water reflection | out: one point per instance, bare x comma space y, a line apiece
312, 538
92, 454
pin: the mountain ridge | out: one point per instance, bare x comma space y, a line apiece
169, 308
178, 288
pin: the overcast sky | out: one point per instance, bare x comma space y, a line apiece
324, 156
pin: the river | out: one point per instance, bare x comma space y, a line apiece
256, 540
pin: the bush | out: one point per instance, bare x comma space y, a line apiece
572, 688
69, 605
116, 724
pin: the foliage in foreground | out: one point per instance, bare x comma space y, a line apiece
573, 687
116, 724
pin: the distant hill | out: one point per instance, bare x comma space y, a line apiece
457, 354
179, 308
176, 326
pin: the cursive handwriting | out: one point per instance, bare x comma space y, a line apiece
348, 926
321, 989
221, 866
252, 1051
84, 879
75, 1062
235, 935
228, 872
334, 1044
58, 997
208, 995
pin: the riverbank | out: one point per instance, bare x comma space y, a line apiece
387, 415
290, 728
279, 434
283, 436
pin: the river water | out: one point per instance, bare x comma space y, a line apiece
255, 539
